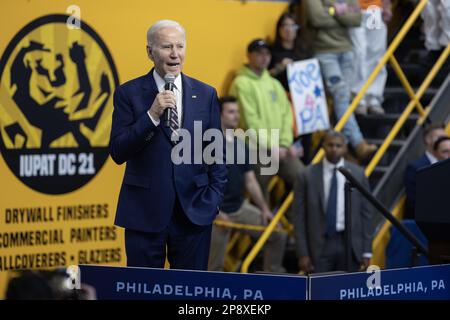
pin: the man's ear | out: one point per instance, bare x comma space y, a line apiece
149, 52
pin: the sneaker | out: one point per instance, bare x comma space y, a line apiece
363, 150
361, 110
374, 104
376, 109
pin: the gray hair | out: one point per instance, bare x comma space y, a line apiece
153, 30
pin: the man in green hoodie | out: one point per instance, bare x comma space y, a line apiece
264, 105
330, 21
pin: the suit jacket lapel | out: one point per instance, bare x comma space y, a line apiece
188, 94
348, 167
149, 85
425, 160
355, 195
318, 176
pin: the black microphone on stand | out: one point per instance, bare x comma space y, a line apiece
169, 79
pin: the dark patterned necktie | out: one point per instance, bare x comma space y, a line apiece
174, 122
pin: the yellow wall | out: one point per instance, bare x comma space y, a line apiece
217, 32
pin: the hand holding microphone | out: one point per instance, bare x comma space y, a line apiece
163, 101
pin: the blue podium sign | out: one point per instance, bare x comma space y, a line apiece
419, 283
120, 283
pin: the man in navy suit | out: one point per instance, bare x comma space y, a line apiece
430, 135
166, 208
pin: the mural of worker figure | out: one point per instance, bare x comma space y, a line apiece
52, 120
56, 103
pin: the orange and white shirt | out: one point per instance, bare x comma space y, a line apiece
364, 4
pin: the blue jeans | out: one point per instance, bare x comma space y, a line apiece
337, 71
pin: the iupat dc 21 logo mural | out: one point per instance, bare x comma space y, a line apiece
56, 90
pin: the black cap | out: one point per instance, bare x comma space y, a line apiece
257, 45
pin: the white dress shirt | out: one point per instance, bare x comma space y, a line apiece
431, 157
328, 168
178, 91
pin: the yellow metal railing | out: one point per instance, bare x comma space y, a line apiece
409, 108
413, 104
241, 226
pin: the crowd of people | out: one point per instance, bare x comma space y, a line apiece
348, 38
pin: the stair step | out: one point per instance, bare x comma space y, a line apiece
380, 169
385, 118
400, 91
414, 72
415, 55
409, 68
397, 143
396, 99
377, 175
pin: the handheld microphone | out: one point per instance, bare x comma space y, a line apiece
169, 79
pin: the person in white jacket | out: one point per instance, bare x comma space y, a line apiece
436, 19
369, 45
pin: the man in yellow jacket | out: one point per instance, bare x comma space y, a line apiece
264, 105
